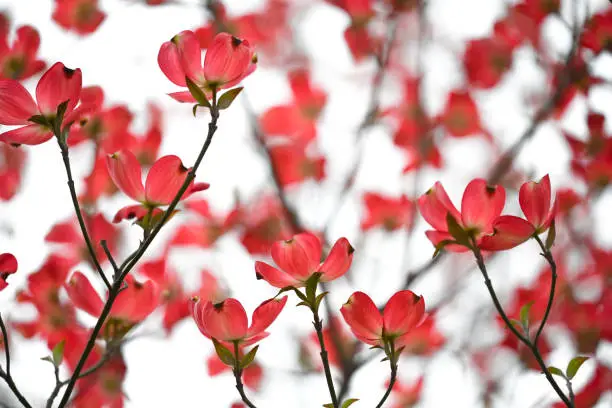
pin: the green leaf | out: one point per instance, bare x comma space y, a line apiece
552, 233
197, 93
49, 359
311, 286
574, 365
58, 353
300, 295
460, 235
518, 325
349, 402
330, 405
61, 111
319, 298
227, 98
39, 120
441, 246
555, 371
224, 354
249, 357
525, 315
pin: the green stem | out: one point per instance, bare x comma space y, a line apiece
533, 348
135, 257
318, 324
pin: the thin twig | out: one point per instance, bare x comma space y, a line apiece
238, 375
532, 347
318, 325
110, 258
6, 375
135, 257
391, 383
553, 281
77, 209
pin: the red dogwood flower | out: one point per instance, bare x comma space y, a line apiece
511, 231
387, 212
480, 206
227, 321
299, 258
403, 312
19, 61
8, 266
164, 181
81, 16
228, 61
17, 108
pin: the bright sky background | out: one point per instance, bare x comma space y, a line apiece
122, 57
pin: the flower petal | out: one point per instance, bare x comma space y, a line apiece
228, 59
225, 321
275, 277
403, 312
57, 85
292, 258
169, 62
434, 205
83, 295
481, 205
508, 231
265, 314
27, 135
164, 180
363, 317
184, 96
8, 264
125, 170
16, 104
338, 261
534, 198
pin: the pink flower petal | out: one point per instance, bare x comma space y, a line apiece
164, 180
83, 295
16, 104
225, 321
434, 205
481, 204
534, 198
169, 61
363, 317
275, 277
403, 312
27, 135
338, 261
57, 85
508, 231
265, 314
125, 171
292, 258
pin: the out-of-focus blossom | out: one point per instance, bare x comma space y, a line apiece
18, 61
387, 212
8, 266
81, 16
